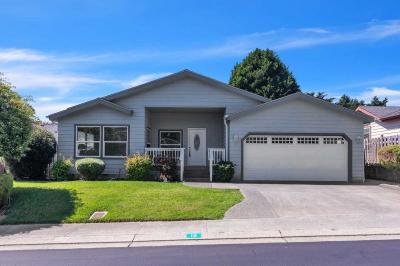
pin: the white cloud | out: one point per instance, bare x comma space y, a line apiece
43, 110
392, 94
10, 55
279, 39
380, 82
145, 78
315, 30
47, 99
34, 79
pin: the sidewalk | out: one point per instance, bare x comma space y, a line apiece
15, 237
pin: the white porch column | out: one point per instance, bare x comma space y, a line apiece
182, 162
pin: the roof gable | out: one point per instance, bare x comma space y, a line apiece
307, 98
181, 75
95, 102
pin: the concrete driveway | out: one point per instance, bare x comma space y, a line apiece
308, 200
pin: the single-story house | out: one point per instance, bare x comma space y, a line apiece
200, 121
386, 121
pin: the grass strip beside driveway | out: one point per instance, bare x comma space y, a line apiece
75, 201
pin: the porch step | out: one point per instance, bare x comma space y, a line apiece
196, 174
201, 180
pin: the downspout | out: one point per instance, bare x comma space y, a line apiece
226, 123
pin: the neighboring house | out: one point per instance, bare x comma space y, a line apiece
199, 120
386, 121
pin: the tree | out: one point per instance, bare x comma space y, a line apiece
322, 96
377, 102
348, 102
40, 153
263, 73
16, 119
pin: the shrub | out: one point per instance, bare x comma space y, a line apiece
90, 168
223, 171
16, 119
6, 185
389, 154
168, 168
61, 170
138, 167
2, 166
40, 153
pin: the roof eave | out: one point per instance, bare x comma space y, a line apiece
91, 103
365, 118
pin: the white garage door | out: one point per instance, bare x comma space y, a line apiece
295, 158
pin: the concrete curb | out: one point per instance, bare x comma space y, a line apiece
285, 237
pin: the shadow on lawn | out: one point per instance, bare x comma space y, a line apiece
38, 206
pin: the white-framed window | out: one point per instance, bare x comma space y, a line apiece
170, 138
115, 141
334, 140
87, 141
307, 140
282, 140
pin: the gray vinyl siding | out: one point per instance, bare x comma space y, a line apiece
185, 93
211, 121
98, 115
298, 116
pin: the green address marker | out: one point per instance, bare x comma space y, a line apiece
193, 235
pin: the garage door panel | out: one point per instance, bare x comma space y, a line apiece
323, 160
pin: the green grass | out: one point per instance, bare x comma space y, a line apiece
75, 201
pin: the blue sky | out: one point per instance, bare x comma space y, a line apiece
65, 52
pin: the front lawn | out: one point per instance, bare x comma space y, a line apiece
75, 201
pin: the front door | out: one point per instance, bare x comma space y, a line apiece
197, 148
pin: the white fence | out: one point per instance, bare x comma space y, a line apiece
371, 147
177, 154
215, 155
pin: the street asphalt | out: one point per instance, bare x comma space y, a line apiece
317, 253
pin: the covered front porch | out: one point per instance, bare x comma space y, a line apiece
193, 137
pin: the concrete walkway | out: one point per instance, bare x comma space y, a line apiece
267, 215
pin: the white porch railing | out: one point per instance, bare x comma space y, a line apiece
215, 155
177, 154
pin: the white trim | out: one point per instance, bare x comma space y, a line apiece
115, 141
166, 145
93, 141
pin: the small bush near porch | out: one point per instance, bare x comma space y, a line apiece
75, 201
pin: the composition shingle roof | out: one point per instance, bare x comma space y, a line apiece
381, 112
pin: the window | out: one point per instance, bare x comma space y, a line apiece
257, 139
282, 140
307, 140
87, 141
334, 140
115, 141
170, 139
367, 132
